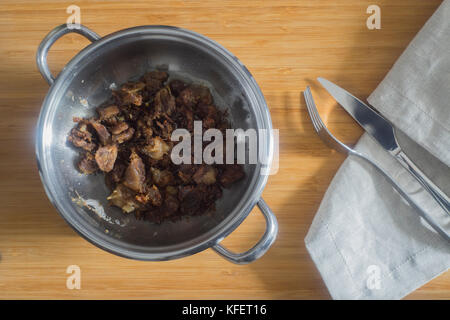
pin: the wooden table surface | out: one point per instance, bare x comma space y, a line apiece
285, 44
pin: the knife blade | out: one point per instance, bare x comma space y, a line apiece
371, 121
384, 133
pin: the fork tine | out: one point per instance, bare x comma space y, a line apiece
307, 94
318, 120
325, 135
312, 110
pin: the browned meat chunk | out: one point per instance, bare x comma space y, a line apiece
123, 198
119, 128
164, 102
124, 136
81, 143
106, 157
153, 196
187, 98
134, 177
80, 137
203, 94
130, 93
108, 112
154, 80
195, 94
185, 172
117, 172
209, 123
162, 178
208, 111
156, 149
102, 133
232, 173
187, 118
205, 175
176, 86
163, 129
87, 164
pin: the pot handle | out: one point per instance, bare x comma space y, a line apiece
263, 244
49, 40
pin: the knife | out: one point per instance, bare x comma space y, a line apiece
384, 133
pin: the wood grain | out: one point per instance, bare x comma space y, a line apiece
285, 44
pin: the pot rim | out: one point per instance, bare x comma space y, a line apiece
227, 227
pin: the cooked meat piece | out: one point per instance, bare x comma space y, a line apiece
187, 120
156, 75
187, 97
80, 136
162, 178
205, 175
108, 112
154, 80
208, 111
123, 198
156, 149
232, 173
144, 129
87, 164
117, 171
176, 86
153, 196
106, 157
147, 132
80, 143
185, 172
119, 128
102, 133
209, 123
202, 94
130, 93
163, 129
164, 102
134, 177
124, 136
195, 94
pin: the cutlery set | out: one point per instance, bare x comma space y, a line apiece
384, 133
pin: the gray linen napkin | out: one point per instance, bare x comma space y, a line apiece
365, 240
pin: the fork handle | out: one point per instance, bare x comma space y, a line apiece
426, 183
405, 196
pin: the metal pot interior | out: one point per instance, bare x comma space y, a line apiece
86, 82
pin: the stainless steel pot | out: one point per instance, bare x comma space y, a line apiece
85, 82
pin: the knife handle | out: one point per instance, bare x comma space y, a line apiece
426, 183
441, 231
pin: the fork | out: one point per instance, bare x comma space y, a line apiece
327, 137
